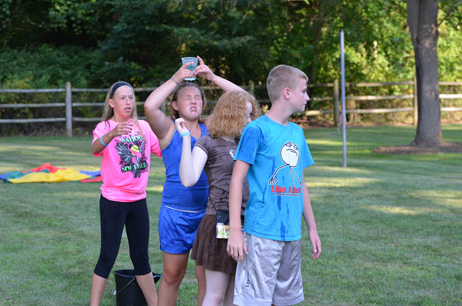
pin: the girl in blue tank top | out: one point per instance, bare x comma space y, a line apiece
182, 208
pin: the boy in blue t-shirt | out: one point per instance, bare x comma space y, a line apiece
272, 153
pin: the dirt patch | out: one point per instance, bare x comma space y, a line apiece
448, 147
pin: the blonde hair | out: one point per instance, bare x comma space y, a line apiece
229, 115
280, 77
176, 92
108, 111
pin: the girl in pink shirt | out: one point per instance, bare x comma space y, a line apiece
125, 145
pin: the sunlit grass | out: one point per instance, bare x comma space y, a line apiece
391, 225
155, 188
407, 210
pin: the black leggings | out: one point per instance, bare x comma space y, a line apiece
135, 217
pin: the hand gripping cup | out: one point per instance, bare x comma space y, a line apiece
190, 67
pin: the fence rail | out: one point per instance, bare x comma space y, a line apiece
69, 105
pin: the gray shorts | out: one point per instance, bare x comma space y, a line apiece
270, 274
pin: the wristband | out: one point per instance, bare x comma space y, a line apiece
184, 134
174, 81
102, 142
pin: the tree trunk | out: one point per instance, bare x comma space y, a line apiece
422, 21
318, 31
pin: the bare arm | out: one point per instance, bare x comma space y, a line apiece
121, 129
204, 71
159, 122
236, 244
191, 164
311, 223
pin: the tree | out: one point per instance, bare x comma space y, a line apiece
233, 37
29, 24
142, 40
422, 17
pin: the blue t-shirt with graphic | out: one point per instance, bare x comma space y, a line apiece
277, 155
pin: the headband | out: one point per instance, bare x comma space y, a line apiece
116, 86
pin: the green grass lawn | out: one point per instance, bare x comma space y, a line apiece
390, 225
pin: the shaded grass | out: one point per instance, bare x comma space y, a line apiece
391, 225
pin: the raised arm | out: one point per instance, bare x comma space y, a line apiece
191, 164
236, 244
159, 122
311, 223
204, 71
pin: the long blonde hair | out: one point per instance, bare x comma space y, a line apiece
108, 111
229, 115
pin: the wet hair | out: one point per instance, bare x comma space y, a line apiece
108, 111
176, 92
229, 115
280, 77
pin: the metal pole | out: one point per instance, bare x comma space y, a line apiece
342, 68
415, 102
68, 109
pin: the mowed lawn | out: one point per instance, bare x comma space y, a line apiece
390, 225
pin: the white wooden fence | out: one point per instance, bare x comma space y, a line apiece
68, 104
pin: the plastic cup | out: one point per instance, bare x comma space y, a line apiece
190, 67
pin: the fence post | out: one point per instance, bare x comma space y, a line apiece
68, 109
415, 101
336, 101
252, 88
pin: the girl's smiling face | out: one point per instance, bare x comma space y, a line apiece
123, 103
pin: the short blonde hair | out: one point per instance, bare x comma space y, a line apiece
280, 77
229, 115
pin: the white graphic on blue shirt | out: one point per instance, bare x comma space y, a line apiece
132, 157
290, 155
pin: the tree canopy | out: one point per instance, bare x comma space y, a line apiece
93, 43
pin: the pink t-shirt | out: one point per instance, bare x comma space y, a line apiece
125, 161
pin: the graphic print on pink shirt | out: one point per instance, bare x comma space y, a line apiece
132, 155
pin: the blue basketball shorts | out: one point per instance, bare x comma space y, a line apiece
177, 229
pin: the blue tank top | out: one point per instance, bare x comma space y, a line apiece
175, 195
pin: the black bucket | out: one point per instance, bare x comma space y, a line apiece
128, 292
